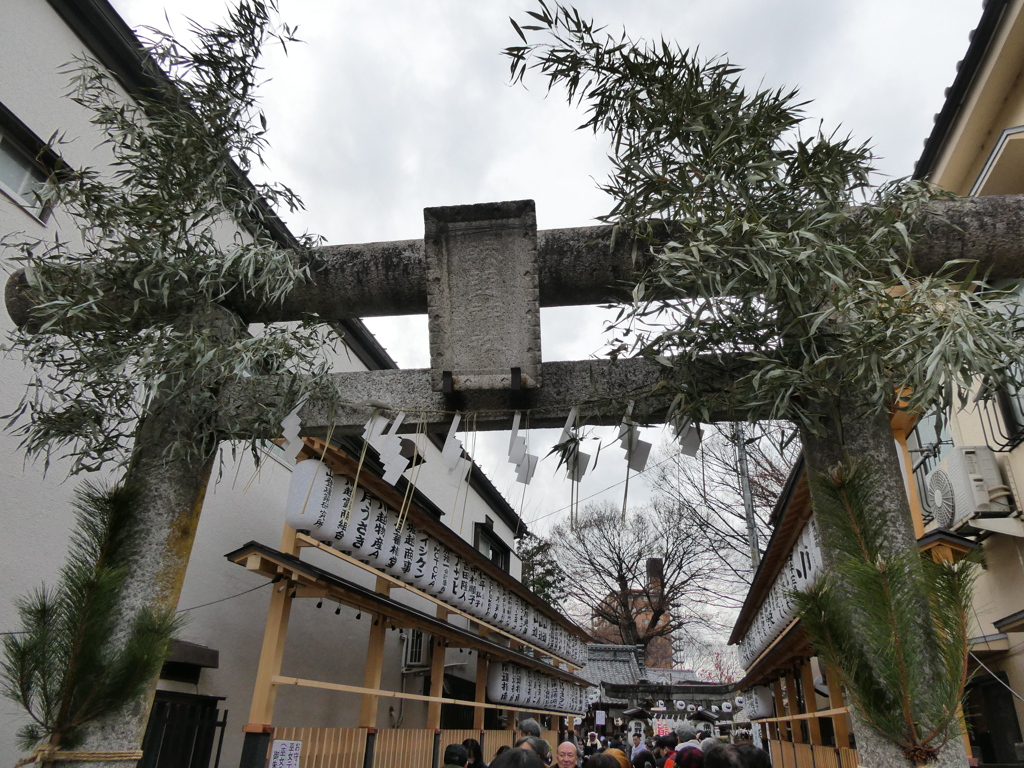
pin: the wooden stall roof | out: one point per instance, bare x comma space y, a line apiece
786, 649
341, 462
791, 514
272, 563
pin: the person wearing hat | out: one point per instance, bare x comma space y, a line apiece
593, 746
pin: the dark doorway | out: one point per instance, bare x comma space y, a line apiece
992, 720
184, 731
452, 715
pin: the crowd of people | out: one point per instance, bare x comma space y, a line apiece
684, 748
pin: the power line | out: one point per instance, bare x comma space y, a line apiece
598, 493
223, 599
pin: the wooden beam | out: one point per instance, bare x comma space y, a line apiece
436, 682
480, 694
916, 514
805, 716
782, 722
275, 632
303, 683
348, 593
306, 541
810, 701
371, 676
840, 724
794, 706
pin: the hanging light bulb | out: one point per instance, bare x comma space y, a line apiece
337, 611
359, 616
320, 603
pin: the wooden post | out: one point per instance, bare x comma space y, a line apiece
261, 712
371, 677
481, 691
794, 707
780, 710
916, 515
810, 701
839, 722
436, 682
374, 662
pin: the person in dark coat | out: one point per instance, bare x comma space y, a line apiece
476, 754
455, 756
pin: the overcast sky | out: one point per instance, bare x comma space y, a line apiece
395, 105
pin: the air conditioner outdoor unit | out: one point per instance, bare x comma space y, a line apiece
966, 484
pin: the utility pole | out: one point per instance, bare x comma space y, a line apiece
739, 434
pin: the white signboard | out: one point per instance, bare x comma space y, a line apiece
285, 754
599, 717
800, 570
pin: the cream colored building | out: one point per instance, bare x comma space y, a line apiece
977, 148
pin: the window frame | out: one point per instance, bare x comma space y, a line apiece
485, 532
17, 140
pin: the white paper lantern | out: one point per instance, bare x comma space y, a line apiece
333, 528
523, 614
500, 682
759, 702
457, 590
390, 559
540, 628
474, 592
377, 536
309, 495
406, 552
727, 706
423, 561
494, 596
359, 532
440, 560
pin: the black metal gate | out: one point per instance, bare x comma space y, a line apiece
182, 732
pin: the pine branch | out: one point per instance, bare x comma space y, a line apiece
67, 668
868, 632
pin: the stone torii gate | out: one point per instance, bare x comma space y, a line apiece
481, 274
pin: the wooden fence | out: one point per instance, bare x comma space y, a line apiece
495, 739
328, 747
393, 747
787, 754
457, 736
404, 747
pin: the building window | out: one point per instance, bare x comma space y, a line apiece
492, 547
26, 164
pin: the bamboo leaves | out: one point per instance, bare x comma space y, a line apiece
766, 239
171, 230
